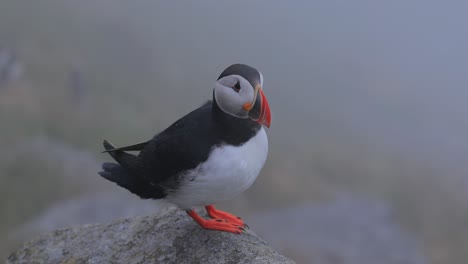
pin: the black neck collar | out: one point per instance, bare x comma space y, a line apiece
235, 131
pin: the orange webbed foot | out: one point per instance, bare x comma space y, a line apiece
216, 224
218, 214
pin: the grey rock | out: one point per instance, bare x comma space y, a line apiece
169, 237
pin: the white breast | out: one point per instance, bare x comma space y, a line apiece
228, 172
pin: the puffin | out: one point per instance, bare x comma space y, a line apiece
210, 155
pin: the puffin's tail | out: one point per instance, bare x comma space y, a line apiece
124, 174
115, 173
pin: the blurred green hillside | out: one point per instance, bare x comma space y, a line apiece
143, 65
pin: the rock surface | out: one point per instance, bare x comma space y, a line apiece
169, 237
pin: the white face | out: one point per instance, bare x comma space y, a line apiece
232, 92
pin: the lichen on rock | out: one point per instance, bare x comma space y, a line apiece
169, 237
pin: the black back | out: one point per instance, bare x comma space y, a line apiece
188, 142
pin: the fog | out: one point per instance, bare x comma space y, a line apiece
368, 101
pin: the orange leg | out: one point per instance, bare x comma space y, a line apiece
216, 224
218, 214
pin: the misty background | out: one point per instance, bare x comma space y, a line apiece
369, 135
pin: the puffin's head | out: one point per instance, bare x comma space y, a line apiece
238, 92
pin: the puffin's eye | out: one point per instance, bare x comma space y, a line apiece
236, 86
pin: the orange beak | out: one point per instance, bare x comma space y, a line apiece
260, 111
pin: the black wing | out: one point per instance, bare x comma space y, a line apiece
136, 147
182, 146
